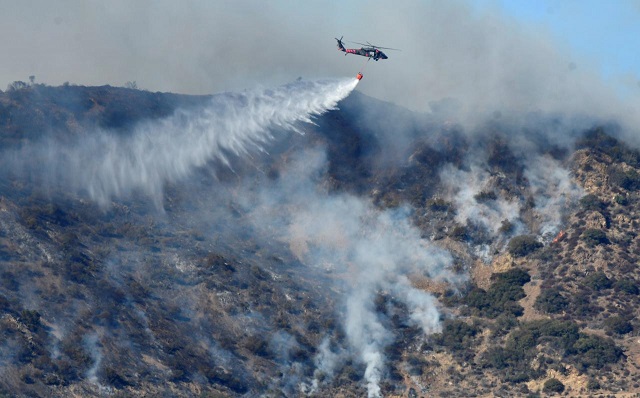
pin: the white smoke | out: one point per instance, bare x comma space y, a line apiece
554, 191
109, 166
368, 251
91, 344
549, 183
462, 188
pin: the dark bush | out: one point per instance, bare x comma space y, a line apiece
522, 245
591, 202
627, 286
595, 351
485, 196
551, 302
456, 335
219, 264
258, 346
113, 378
514, 276
438, 204
621, 200
593, 385
618, 325
31, 319
503, 324
502, 296
8, 280
4, 304
497, 357
506, 227
501, 157
598, 281
597, 139
218, 375
629, 180
515, 357
600, 141
259, 273
553, 386
459, 233
563, 334
350, 373
594, 237
17, 85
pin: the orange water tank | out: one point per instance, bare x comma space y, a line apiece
359, 76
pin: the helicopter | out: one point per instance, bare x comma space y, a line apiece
371, 51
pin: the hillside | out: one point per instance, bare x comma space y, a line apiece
374, 248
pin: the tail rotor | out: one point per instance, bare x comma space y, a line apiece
340, 45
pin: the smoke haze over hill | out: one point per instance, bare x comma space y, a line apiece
472, 62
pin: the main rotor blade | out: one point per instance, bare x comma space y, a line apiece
374, 46
388, 48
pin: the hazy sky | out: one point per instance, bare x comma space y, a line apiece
602, 32
486, 55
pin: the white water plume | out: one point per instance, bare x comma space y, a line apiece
109, 166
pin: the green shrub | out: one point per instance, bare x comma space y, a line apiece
563, 334
457, 336
522, 245
591, 202
553, 386
514, 276
514, 359
593, 385
621, 200
598, 281
551, 302
618, 325
594, 237
595, 351
503, 324
626, 286
629, 180
502, 296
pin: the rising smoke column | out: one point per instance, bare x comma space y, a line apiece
108, 166
462, 187
554, 191
366, 250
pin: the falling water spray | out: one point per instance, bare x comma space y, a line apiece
108, 166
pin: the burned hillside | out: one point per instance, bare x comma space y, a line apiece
399, 254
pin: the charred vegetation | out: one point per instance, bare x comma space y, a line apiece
210, 294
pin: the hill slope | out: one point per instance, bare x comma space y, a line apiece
380, 251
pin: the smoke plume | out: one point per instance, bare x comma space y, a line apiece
364, 250
106, 165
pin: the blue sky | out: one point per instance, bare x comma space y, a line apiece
604, 32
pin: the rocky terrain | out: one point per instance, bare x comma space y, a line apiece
374, 250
